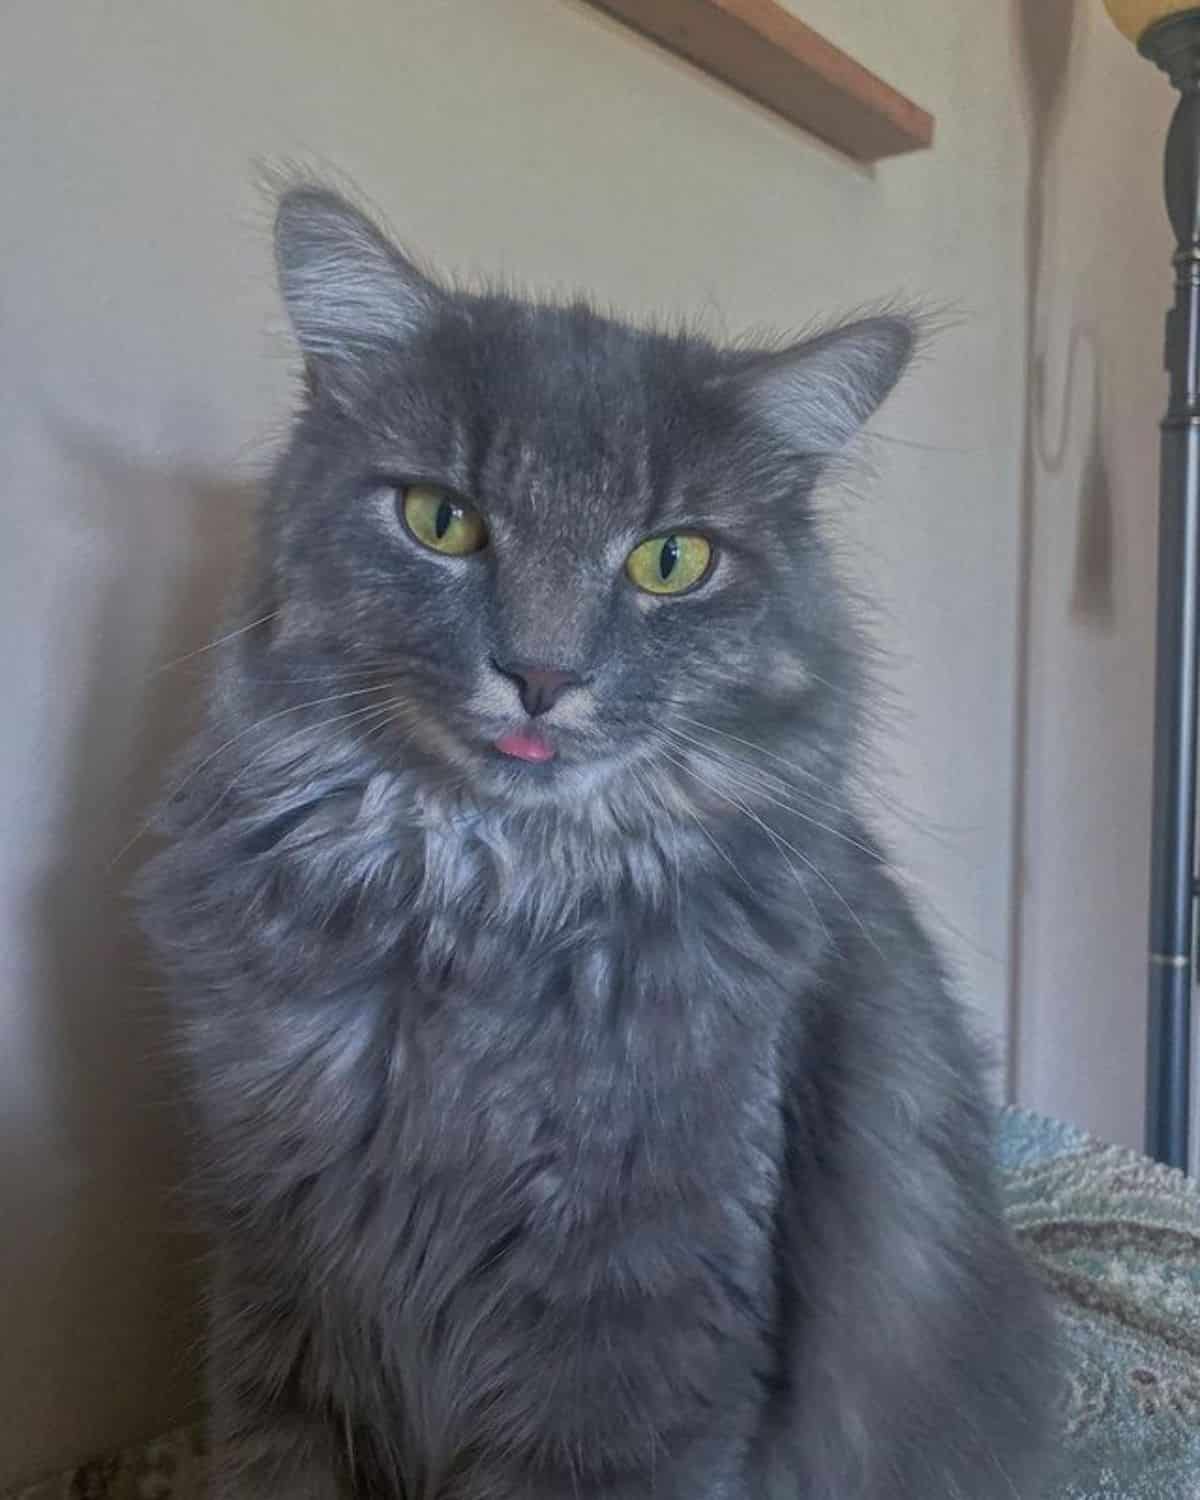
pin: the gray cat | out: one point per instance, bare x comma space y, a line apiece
582, 1109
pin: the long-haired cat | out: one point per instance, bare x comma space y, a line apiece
583, 1112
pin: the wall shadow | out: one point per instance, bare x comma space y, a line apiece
118, 1306
1043, 31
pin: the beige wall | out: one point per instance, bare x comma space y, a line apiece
141, 390
1103, 283
1092, 117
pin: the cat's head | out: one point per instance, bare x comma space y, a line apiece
565, 546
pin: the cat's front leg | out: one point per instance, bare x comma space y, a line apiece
262, 1447
273, 1459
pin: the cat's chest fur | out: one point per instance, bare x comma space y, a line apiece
574, 1075
529, 1124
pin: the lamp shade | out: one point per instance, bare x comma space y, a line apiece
1136, 16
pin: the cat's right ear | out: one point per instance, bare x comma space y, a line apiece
817, 394
348, 291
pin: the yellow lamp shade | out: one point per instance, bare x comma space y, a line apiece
1136, 16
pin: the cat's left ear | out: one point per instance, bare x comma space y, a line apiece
819, 393
347, 289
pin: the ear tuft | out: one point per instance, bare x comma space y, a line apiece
345, 286
820, 392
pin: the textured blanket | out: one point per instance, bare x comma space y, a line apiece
1116, 1237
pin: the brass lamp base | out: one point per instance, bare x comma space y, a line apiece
1135, 17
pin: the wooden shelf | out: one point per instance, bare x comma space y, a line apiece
766, 53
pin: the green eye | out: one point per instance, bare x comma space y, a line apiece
440, 522
670, 564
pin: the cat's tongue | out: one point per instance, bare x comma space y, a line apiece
525, 744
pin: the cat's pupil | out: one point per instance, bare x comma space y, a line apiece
441, 522
668, 557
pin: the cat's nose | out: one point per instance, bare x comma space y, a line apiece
540, 687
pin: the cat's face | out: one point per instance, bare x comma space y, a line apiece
565, 544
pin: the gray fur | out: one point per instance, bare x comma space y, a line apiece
602, 1128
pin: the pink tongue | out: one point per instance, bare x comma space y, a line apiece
524, 744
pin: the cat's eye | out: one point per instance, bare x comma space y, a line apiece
670, 564
441, 522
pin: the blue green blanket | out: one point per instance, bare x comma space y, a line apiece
1117, 1239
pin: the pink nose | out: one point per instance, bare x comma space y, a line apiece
540, 687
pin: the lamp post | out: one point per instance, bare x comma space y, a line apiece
1170, 36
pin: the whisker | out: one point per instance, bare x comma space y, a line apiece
335, 674
291, 708
147, 823
892, 805
778, 842
780, 782
356, 715
750, 745
393, 717
178, 661
817, 871
874, 792
796, 812
919, 447
724, 854
654, 798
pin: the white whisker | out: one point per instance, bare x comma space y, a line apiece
362, 714
178, 661
817, 871
728, 858
653, 799
779, 843
220, 750
750, 745
765, 780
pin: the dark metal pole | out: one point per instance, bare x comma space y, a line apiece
1174, 44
